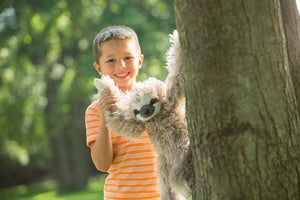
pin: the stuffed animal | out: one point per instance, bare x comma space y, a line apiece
158, 108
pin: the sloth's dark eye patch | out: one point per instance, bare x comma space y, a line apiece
136, 112
153, 101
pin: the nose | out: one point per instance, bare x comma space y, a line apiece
146, 111
121, 64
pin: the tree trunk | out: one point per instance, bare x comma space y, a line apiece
241, 102
57, 136
291, 22
80, 154
66, 132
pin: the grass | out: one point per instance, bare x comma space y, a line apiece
48, 191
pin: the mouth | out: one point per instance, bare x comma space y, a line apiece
122, 75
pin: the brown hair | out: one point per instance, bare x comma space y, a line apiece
113, 33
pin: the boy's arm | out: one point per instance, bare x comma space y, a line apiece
97, 133
101, 150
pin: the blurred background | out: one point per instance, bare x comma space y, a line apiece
46, 83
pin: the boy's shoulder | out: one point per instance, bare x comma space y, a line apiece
92, 107
93, 104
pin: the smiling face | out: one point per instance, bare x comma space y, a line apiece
120, 60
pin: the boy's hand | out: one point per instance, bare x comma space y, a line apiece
106, 102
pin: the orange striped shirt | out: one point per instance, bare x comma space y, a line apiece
133, 172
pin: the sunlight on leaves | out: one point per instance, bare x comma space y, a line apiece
8, 19
4, 53
57, 71
155, 68
66, 84
37, 24
16, 152
115, 8
27, 39
63, 21
55, 47
83, 44
62, 4
8, 75
13, 40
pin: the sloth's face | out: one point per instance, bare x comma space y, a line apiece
146, 107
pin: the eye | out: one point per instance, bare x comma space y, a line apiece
153, 101
110, 61
136, 112
128, 58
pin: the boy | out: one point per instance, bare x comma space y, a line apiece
130, 163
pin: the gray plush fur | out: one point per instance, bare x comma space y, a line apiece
167, 128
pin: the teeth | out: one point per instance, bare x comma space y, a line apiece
122, 75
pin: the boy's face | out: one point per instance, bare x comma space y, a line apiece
120, 60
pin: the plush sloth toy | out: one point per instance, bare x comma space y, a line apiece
158, 108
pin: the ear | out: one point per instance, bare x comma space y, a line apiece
98, 68
141, 60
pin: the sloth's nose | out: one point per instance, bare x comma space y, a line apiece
147, 110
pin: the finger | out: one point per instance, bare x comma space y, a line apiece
109, 99
106, 97
107, 103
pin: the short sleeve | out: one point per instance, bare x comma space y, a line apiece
92, 120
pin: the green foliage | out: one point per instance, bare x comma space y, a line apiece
46, 74
48, 191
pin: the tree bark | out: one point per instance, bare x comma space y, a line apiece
291, 22
241, 103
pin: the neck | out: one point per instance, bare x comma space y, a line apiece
124, 89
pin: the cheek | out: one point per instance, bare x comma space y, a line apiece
108, 69
130, 63
134, 62
134, 66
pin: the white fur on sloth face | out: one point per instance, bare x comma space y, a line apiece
140, 100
